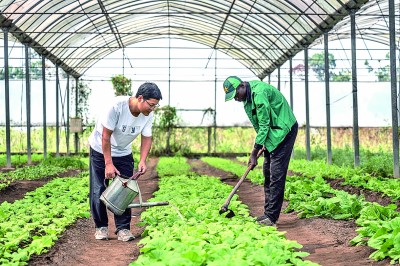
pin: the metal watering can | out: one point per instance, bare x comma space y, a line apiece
119, 195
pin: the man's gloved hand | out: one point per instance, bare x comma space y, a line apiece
253, 159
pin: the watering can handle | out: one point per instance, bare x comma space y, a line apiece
135, 176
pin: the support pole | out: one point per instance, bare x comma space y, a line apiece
307, 133
57, 116
215, 102
354, 83
28, 103
291, 88
279, 78
7, 98
76, 137
44, 107
169, 70
67, 131
291, 81
327, 101
393, 82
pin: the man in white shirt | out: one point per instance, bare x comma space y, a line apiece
111, 151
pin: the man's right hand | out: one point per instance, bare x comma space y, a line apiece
110, 171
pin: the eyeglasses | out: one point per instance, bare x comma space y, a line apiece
152, 106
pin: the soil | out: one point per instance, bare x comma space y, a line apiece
17, 189
326, 240
371, 196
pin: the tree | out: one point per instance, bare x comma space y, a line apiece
36, 70
317, 64
165, 119
299, 71
382, 72
343, 76
16, 72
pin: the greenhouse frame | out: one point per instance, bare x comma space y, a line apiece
261, 35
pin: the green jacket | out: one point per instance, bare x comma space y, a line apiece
270, 114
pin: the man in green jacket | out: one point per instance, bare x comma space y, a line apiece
276, 128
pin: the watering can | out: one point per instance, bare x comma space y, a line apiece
119, 195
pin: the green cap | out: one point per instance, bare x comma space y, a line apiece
230, 85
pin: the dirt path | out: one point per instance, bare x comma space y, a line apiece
325, 240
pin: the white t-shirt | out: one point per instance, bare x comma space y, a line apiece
124, 125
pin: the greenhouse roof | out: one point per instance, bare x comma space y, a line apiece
262, 35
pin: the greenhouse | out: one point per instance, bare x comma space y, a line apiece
259, 132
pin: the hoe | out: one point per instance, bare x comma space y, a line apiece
224, 207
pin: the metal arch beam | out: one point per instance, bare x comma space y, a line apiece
301, 12
76, 48
311, 38
110, 22
223, 25
24, 38
284, 54
364, 14
91, 58
254, 61
261, 76
205, 8
30, 8
55, 25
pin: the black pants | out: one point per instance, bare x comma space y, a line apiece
275, 168
98, 210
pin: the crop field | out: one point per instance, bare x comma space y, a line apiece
199, 133
333, 214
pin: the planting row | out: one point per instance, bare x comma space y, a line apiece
50, 167
351, 176
311, 196
33, 224
192, 232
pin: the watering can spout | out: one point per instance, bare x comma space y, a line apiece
148, 204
